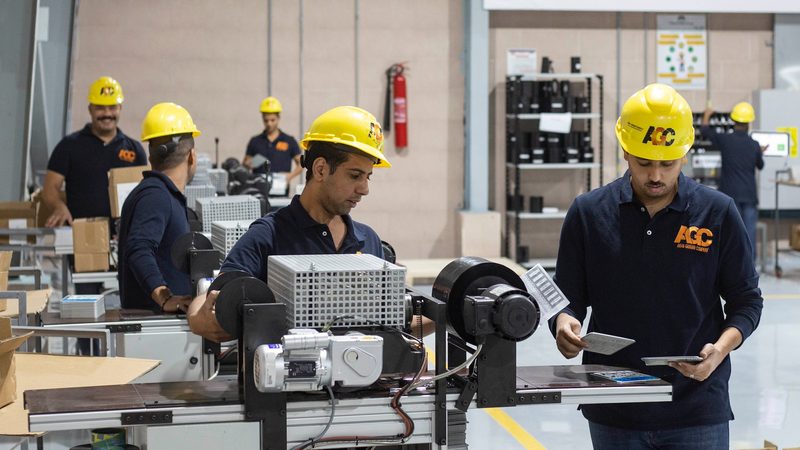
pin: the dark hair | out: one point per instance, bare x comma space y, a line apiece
332, 153
167, 152
740, 126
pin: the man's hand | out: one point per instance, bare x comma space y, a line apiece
203, 320
568, 330
712, 354
177, 304
712, 358
60, 216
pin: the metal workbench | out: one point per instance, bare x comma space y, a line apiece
141, 334
213, 402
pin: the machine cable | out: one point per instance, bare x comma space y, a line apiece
408, 422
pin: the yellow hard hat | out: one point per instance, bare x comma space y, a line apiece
351, 126
105, 91
167, 119
656, 124
271, 105
743, 112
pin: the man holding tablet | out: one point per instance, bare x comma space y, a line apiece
652, 253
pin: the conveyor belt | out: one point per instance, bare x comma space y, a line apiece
221, 401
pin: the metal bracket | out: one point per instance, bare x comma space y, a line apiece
146, 418
468, 392
125, 328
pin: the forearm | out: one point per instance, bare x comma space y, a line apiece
52, 199
729, 340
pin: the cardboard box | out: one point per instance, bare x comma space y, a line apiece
794, 237
8, 379
90, 235
17, 215
43, 211
91, 262
5, 263
121, 182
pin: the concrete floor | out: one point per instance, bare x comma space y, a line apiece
764, 387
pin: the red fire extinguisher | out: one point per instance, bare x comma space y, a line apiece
396, 83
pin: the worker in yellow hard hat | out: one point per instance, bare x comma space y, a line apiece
740, 157
272, 144
83, 159
342, 146
154, 215
652, 253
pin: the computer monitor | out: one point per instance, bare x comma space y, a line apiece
777, 143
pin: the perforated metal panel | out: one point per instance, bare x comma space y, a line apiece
232, 207
318, 288
195, 191
219, 178
225, 233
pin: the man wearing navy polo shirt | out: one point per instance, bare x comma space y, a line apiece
741, 156
272, 143
652, 253
154, 215
84, 158
342, 147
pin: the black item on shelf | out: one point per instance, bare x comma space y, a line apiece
580, 104
536, 204
564, 88
513, 95
524, 156
587, 154
555, 149
547, 65
537, 155
515, 202
512, 137
527, 97
522, 253
534, 103
572, 154
547, 91
575, 64
558, 102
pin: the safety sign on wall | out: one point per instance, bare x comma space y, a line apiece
682, 50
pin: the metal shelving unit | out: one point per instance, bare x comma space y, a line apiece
515, 168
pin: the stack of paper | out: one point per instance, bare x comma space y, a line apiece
82, 307
63, 240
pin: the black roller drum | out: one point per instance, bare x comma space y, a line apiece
185, 242
234, 295
516, 312
467, 276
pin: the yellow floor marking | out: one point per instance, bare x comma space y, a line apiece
501, 417
514, 429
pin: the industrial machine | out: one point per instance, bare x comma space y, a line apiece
330, 321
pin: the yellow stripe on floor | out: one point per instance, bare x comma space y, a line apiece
514, 429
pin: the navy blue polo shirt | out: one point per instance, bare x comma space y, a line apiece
659, 281
741, 156
291, 231
153, 216
280, 152
84, 161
